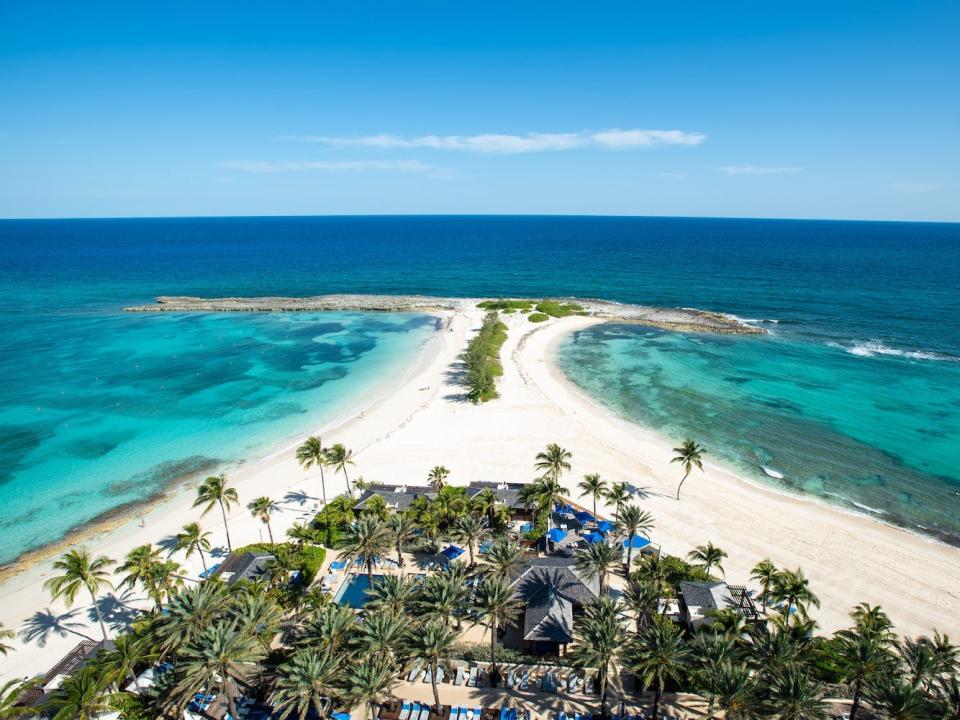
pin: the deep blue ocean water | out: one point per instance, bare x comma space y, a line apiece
854, 396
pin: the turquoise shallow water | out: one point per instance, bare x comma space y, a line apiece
854, 397
112, 408
874, 434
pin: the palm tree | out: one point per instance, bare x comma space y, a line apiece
872, 619
654, 569
332, 627
161, 580
214, 491
548, 492
618, 495
188, 613
438, 477
443, 595
862, 658
735, 691
764, 573
432, 644
597, 561
393, 595
946, 697
496, 606
137, 565
641, 596
599, 639
593, 486
926, 659
4, 635
79, 570
898, 699
794, 695
80, 696
486, 502
366, 540
262, 508
634, 521
708, 556
471, 531
383, 635
340, 458
792, 588
193, 539
305, 682
689, 455
221, 656
503, 558
121, 662
553, 461
312, 452
369, 682
658, 656
10, 693
403, 528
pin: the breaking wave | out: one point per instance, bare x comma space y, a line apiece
872, 348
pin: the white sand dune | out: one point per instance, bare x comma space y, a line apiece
423, 422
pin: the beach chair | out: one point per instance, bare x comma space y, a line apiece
588, 685
525, 680
458, 680
481, 677
428, 676
412, 677
477, 713
511, 680
440, 674
405, 709
472, 679
454, 713
573, 683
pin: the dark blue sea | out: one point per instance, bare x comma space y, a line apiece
854, 396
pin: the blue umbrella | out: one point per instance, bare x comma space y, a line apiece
341, 716
452, 552
638, 542
556, 535
593, 537
583, 516
605, 526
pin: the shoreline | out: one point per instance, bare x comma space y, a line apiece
740, 473
116, 517
422, 420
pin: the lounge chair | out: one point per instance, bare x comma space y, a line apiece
424, 712
525, 680
405, 711
511, 680
573, 683
428, 675
454, 713
481, 677
440, 674
458, 680
412, 677
588, 685
472, 679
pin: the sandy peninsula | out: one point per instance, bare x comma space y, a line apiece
423, 421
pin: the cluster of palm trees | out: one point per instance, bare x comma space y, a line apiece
312, 453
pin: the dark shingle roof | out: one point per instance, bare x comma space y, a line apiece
507, 493
707, 595
243, 566
548, 617
399, 497
561, 574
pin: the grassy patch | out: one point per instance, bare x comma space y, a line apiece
506, 305
537, 317
559, 309
308, 559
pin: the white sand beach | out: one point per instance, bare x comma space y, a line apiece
423, 421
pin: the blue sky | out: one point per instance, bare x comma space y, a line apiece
772, 109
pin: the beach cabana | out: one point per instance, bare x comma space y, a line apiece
556, 535
594, 537
605, 526
451, 552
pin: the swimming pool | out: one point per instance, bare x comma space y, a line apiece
354, 591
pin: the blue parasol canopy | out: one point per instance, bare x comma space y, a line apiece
605, 526
638, 542
593, 537
556, 535
451, 552
583, 516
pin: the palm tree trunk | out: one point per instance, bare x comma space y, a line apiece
604, 690
370, 573
231, 703
686, 475
203, 560
494, 677
629, 553
136, 685
103, 628
323, 486
656, 702
345, 475
226, 528
855, 705
399, 556
594, 507
433, 681
270, 533
470, 548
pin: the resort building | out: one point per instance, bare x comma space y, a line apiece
398, 498
508, 494
697, 599
82, 652
553, 595
243, 566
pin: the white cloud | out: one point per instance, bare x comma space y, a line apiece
502, 144
759, 170
910, 188
282, 166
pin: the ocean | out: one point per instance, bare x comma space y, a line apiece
853, 396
